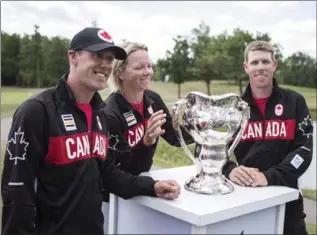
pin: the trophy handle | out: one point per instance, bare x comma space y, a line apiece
175, 113
245, 118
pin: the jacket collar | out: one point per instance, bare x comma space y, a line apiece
65, 94
247, 95
126, 106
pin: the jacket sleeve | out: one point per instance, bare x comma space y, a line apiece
298, 160
23, 153
131, 160
124, 184
170, 135
228, 167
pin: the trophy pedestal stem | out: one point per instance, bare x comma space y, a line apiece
211, 184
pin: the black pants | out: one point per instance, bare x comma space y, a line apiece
295, 218
298, 230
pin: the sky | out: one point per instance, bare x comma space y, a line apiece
292, 24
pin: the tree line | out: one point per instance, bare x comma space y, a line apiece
33, 60
38, 61
203, 57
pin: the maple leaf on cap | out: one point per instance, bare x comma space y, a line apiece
105, 36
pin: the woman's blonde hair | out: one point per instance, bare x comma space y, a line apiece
118, 66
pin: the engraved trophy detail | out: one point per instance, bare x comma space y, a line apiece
212, 121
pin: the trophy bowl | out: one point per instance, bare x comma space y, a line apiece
216, 124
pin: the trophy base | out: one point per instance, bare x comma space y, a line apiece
215, 184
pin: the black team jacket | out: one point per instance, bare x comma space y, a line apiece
49, 141
127, 128
279, 145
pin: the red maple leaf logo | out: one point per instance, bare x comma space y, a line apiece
105, 36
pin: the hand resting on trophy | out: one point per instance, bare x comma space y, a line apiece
154, 129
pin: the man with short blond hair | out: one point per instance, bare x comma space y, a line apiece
276, 148
259, 46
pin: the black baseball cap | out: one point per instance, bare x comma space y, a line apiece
96, 39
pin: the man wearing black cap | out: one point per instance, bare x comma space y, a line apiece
60, 138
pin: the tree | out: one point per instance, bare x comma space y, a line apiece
208, 64
36, 41
300, 70
10, 49
57, 61
179, 62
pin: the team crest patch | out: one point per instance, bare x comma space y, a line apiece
150, 109
69, 122
130, 118
99, 123
279, 109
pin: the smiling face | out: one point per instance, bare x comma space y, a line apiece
92, 69
261, 67
138, 72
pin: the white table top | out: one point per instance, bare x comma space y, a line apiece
200, 209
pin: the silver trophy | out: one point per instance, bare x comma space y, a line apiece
213, 122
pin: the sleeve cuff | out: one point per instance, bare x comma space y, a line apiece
148, 186
269, 176
228, 167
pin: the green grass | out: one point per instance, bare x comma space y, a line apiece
311, 228
11, 97
310, 194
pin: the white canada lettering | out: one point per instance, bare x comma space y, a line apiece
135, 135
80, 149
79, 146
86, 144
274, 129
69, 142
100, 146
283, 130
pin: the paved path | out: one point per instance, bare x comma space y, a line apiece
5, 128
310, 210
